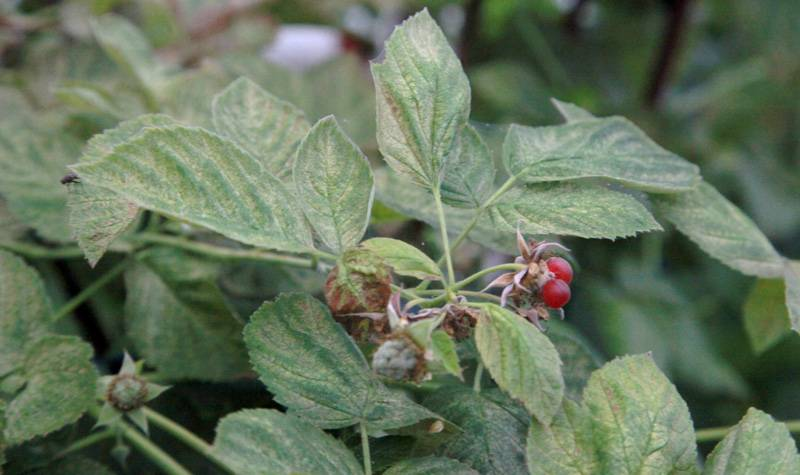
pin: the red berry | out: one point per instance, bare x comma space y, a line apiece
556, 293
560, 268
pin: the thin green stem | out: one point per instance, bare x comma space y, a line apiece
718, 433
147, 448
223, 252
34, 251
451, 275
409, 294
86, 293
489, 270
481, 295
84, 442
476, 383
365, 449
185, 436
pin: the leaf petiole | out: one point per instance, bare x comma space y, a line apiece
365, 449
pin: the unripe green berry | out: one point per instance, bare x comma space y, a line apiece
127, 392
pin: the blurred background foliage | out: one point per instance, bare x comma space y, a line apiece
716, 81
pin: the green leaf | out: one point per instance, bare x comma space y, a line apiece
404, 258
521, 360
100, 215
493, 429
766, 318
583, 210
469, 171
639, 420
444, 351
33, 159
570, 112
611, 148
60, 386
430, 466
194, 175
563, 447
757, 444
268, 128
578, 358
187, 96
75, 465
128, 47
259, 441
423, 99
335, 185
178, 318
313, 367
721, 230
24, 310
792, 280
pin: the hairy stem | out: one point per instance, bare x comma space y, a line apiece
365, 449
184, 435
476, 384
84, 442
86, 293
718, 433
489, 270
480, 295
33, 251
451, 275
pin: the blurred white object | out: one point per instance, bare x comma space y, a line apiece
300, 47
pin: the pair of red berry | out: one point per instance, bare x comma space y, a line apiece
555, 292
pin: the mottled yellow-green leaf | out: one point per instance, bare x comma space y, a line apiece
178, 319
334, 184
444, 351
468, 179
521, 360
261, 441
194, 175
423, 99
572, 209
59, 387
756, 445
766, 318
24, 310
404, 258
430, 466
315, 369
268, 128
563, 447
579, 359
640, 423
570, 112
611, 148
722, 230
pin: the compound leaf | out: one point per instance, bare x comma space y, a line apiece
468, 179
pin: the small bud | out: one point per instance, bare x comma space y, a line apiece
127, 392
459, 321
400, 359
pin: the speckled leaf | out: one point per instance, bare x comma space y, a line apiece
611, 148
493, 429
187, 96
578, 358
570, 112
722, 230
33, 160
335, 185
75, 465
430, 466
194, 175
268, 128
24, 310
313, 367
404, 258
259, 441
177, 317
59, 387
757, 444
792, 280
584, 210
99, 215
444, 351
423, 99
469, 171
640, 423
521, 360
565, 446
766, 318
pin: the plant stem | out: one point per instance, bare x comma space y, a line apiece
84, 442
185, 436
150, 450
33, 251
476, 384
717, 433
223, 252
365, 449
481, 295
487, 271
86, 293
451, 275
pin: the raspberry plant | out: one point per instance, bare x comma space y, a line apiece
199, 169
